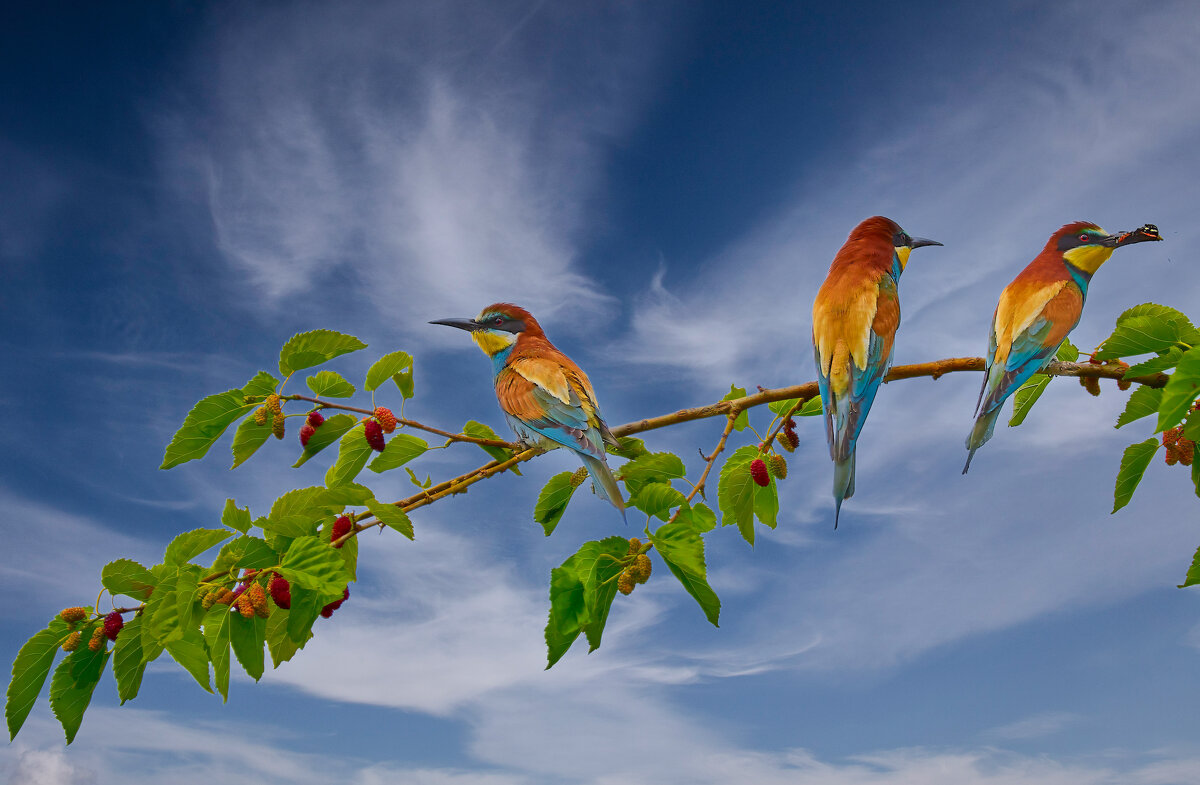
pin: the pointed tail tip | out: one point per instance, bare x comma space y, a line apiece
970, 455
837, 512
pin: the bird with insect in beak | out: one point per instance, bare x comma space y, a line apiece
547, 399
1037, 311
855, 317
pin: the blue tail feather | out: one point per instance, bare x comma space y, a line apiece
843, 484
984, 425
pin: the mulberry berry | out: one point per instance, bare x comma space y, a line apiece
225, 596
341, 527
272, 403
1123, 367
73, 614
635, 545
328, 610
306, 432
277, 426
244, 606
281, 591
210, 599
625, 582
385, 418
579, 476
258, 600
315, 419
374, 433
113, 624
72, 641
758, 470
640, 569
97, 641
1186, 448
777, 465
260, 415
1091, 384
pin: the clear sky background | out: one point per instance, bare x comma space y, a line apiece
186, 185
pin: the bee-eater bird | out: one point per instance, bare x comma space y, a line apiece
1037, 311
544, 395
855, 317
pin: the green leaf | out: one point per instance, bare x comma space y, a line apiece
652, 467
189, 651
262, 385
127, 577
552, 501
312, 564
1143, 402
811, 407
349, 495
629, 447
581, 593
298, 513
353, 452
657, 499
71, 689
129, 660
247, 637
279, 643
248, 437
385, 368
329, 432
216, 639
304, 350
189, 545
245, 552
1196, 476
399, 451
1181, 390
1133, 466
306, 606
169, 610
702, 518
766, 503
392, 517
404, 380
236, 518
202, 426
743, 418
329, 384
29, 672
735, 496
682, 548
480, 431
1193, 573
1147, 328
1159, 364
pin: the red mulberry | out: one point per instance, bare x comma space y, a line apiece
374, 433
306, 432
328, 610
758, 470
315, 419
281, 591
341, 527
113, 624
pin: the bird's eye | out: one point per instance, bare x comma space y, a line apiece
1083, 238
499, 320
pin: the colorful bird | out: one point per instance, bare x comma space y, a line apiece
1037, 311
547, 399
855, 317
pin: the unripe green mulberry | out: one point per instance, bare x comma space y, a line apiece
210, 599
260, 415
74, 614
625, 582
97, 641
72, 641
272, 403
640, 569
777, 465
635, 545
277, 426
579, 476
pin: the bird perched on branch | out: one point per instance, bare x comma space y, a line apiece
855, 317
547, 399
1037, 311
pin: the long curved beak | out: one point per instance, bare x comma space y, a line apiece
918, 242
1142, 234
463, 324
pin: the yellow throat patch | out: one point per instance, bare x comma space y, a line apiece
493, 342
1088, 257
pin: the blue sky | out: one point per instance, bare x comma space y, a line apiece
663, 185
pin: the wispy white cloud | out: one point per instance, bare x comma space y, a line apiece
452, 165
1034, 727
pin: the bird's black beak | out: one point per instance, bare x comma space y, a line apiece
463, 324
1142, 234
918, 242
